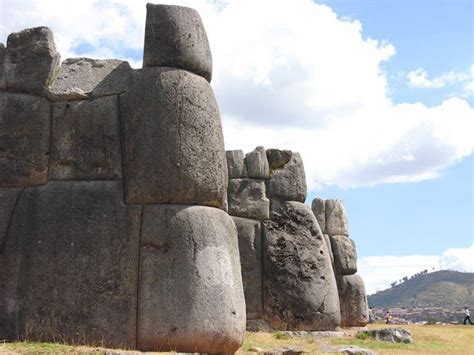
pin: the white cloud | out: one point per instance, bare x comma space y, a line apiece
286, 75
379, 272
418, 78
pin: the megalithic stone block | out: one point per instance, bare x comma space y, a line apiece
25, 122
70, 265
289, 182
175, 37
8, 199
236, 164
173, 140
299, 285
353, 300
319, 208
345, 255
336, 218
257, 164
247, 199
190, 295
30, 61
85, 143
250, 247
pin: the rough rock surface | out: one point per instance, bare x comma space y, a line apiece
236, 164
299, 286
289, 182
247, 199
345, 255
8, 199
257, 164
278, 158
30, 61
348, 350
173, 145
83, 78
70, 265
24, 139
85, 140
175, 37
2, 75
190, 294
353, 300
319, 209
393, 335
327, 240
336, 219
250, 248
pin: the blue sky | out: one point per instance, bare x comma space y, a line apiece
377, 96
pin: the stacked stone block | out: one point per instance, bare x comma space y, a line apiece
332, 218
286, 265
113, 189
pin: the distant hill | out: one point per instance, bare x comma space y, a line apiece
447, 289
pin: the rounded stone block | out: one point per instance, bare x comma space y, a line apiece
236, 164
336, 218
257, 164
25, 122
69, 270
289, 182
319, 208
173, 140
345, 255
247, 199
190, 295
30, 61
299, 285
353, 300
175, 37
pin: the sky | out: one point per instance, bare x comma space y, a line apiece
377, 96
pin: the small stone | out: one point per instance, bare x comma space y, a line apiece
30, 61
236, 164
345, 255
175, 37
289, 182
257, 164
83, 78
319, 208
247, 199
277, 158
336, 219
353, 301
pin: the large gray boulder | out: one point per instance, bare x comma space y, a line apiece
257, 164
30, 61
319, 209
336, 218
85, 142
173, 140
345, 255
392, 335
289, 182
24, 139
299, 286
190, 293
236, 164
84, 78
8, 199
246, 198
175, 37
250, 247
353, 301
70, 265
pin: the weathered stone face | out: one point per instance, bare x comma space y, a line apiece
250, 247
247, 199
70, 265
327, 240
236, 164
190, 294
336, 219
85, 140
289, 183
299, 285
2, 74
345, 255
319, 209
8, 199
30, 60
24, 139
173, 146
278, 158
175, 37
353, 299
257, 164
83, 78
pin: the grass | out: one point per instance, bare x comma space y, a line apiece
428, 339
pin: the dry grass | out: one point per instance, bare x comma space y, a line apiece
428, 339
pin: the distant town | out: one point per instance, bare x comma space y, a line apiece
429, 315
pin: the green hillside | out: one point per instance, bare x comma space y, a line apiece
448, 289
